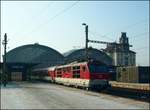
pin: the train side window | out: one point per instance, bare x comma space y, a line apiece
59, 72
64, 70
68, 69
83, 68
76, 72
76, 68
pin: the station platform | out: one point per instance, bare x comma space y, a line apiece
135, 86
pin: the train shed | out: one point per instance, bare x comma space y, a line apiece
20, 60
95, 54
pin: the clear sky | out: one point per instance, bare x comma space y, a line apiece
59, 24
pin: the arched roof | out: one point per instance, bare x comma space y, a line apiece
95, 54
34, 53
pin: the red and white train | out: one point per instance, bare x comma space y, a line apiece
89, 75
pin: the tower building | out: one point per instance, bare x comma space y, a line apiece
121, 53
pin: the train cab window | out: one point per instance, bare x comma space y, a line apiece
97, 68
76, 71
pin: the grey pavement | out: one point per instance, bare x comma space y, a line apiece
26, 95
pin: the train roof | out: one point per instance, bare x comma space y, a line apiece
61, 66
48, 68
73, 64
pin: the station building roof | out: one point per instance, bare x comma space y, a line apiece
34, 53
95, 54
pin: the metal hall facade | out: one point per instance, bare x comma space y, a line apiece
21, 60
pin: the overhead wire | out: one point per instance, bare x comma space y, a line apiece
126, 27
134, 38
43, 10
53, 17
131, 38
96, 34
139, 35
132, 25
32, 17
141, 48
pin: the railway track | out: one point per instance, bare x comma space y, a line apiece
128, 93
141, 93
136, 91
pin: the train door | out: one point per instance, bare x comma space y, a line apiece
52, 75
16, 76
83, 71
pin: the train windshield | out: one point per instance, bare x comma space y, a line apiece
97, 68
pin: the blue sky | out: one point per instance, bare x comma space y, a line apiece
59, 24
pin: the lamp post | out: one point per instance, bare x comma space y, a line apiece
4, 60
86, 40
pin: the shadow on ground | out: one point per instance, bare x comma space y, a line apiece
10, 85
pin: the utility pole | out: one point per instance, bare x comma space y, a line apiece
0, 48
86, 41
4, 60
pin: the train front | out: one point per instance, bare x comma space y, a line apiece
98, 76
